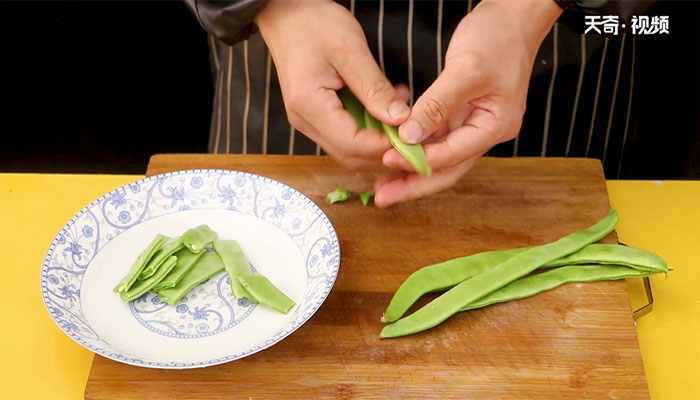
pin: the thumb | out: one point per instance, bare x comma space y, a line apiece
368, 83
433, 109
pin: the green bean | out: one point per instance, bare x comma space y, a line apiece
141, 287
235, 263
491, 279
264, 292
195, 239
352, 106
371, 122
339, 194
139, 264
413, 153
168, 249
538, 283
633, 257
185, 261
364, 197
447, 274
442, 276
208, 265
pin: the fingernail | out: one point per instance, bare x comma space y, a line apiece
398, 110
411, 132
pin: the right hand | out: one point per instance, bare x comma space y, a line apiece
318, 47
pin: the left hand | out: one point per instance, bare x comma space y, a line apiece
476, 102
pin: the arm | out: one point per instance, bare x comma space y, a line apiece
318, 48
229, 21
477, 101
624, 9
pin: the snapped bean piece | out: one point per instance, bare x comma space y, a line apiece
352, 106
494, 278
538, 283
206, 267
168, 249
141, 287
140, 263
185, 261
413, 153
364, 197
265, 293
235, 263
197, 238
339, 194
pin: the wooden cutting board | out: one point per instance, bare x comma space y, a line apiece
577, 341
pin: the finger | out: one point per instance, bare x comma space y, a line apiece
477, 136
459, 117
387, 178
394, 159
328, 123
412, 186
450, 91
403, 91
332, 149
366, 80
439, 134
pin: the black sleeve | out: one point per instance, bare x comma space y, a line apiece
230, 21
625, 9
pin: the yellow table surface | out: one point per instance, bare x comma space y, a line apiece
38, 361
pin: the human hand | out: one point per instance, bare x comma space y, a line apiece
318, 47
476, 102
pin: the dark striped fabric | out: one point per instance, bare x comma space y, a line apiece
579, 101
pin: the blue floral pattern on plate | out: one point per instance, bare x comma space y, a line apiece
91, 229
207, 310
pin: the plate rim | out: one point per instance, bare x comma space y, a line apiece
200, 364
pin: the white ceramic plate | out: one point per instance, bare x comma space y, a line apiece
284, 234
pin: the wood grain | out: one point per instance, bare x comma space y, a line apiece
577, 341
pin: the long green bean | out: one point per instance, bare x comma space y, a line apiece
371, 122
353, 106
491, 279
595, 253
534, 284
442, 276
413, 153
447, 274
